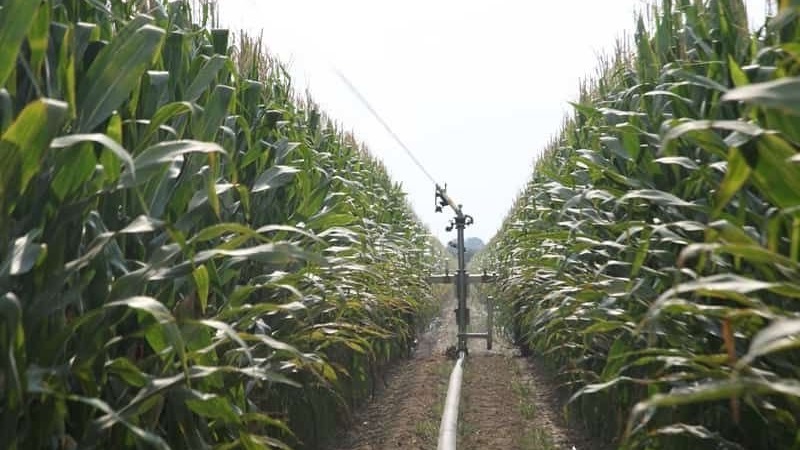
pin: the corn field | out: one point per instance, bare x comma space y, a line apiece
652, 259
190, 256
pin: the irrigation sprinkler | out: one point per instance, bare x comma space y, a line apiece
462, 279
448, 428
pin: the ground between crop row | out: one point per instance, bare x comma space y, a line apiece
507, 402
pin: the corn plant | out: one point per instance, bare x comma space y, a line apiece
652, 259
190, 256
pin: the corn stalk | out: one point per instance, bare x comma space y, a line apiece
652, 258
190, 257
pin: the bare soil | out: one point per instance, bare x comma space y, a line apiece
507, 402
406, 414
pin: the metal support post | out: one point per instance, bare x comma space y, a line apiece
461, 288
489, 321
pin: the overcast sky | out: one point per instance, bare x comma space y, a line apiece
474, 88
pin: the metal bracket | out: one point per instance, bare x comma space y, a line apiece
463, 316
489, 326
445, 279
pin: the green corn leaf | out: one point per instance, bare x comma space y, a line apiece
279, 253
670, 94
115, 73
6, 110
290, 230
24, 143
214, 113
730, 232
222, 229
587, 110
162, 316
777, 180
782, 94
205, 77
38, 38
94, 248
721, 282
699, 80
24, 254
149, 305
112, 418
213, 406
231, 334
202, 197
125, 369
273, 343
720, 390
678, 160
12, 369
164, 114
149, 162
75, 170
283, 149
154, 91
274, 177
202, 283
700, 432
16, 18
657, 197
142, 224
781, 335
751, 253
641, 253
738, 76
678, 131
735, 177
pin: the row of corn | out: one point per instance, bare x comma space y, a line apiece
653, 259
190, 257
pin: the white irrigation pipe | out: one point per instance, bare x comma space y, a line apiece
448, 429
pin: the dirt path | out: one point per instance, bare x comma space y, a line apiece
506, 402
406, 414
405, 417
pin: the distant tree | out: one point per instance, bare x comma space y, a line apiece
472, 245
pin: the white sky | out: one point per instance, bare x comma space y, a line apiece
474, 88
